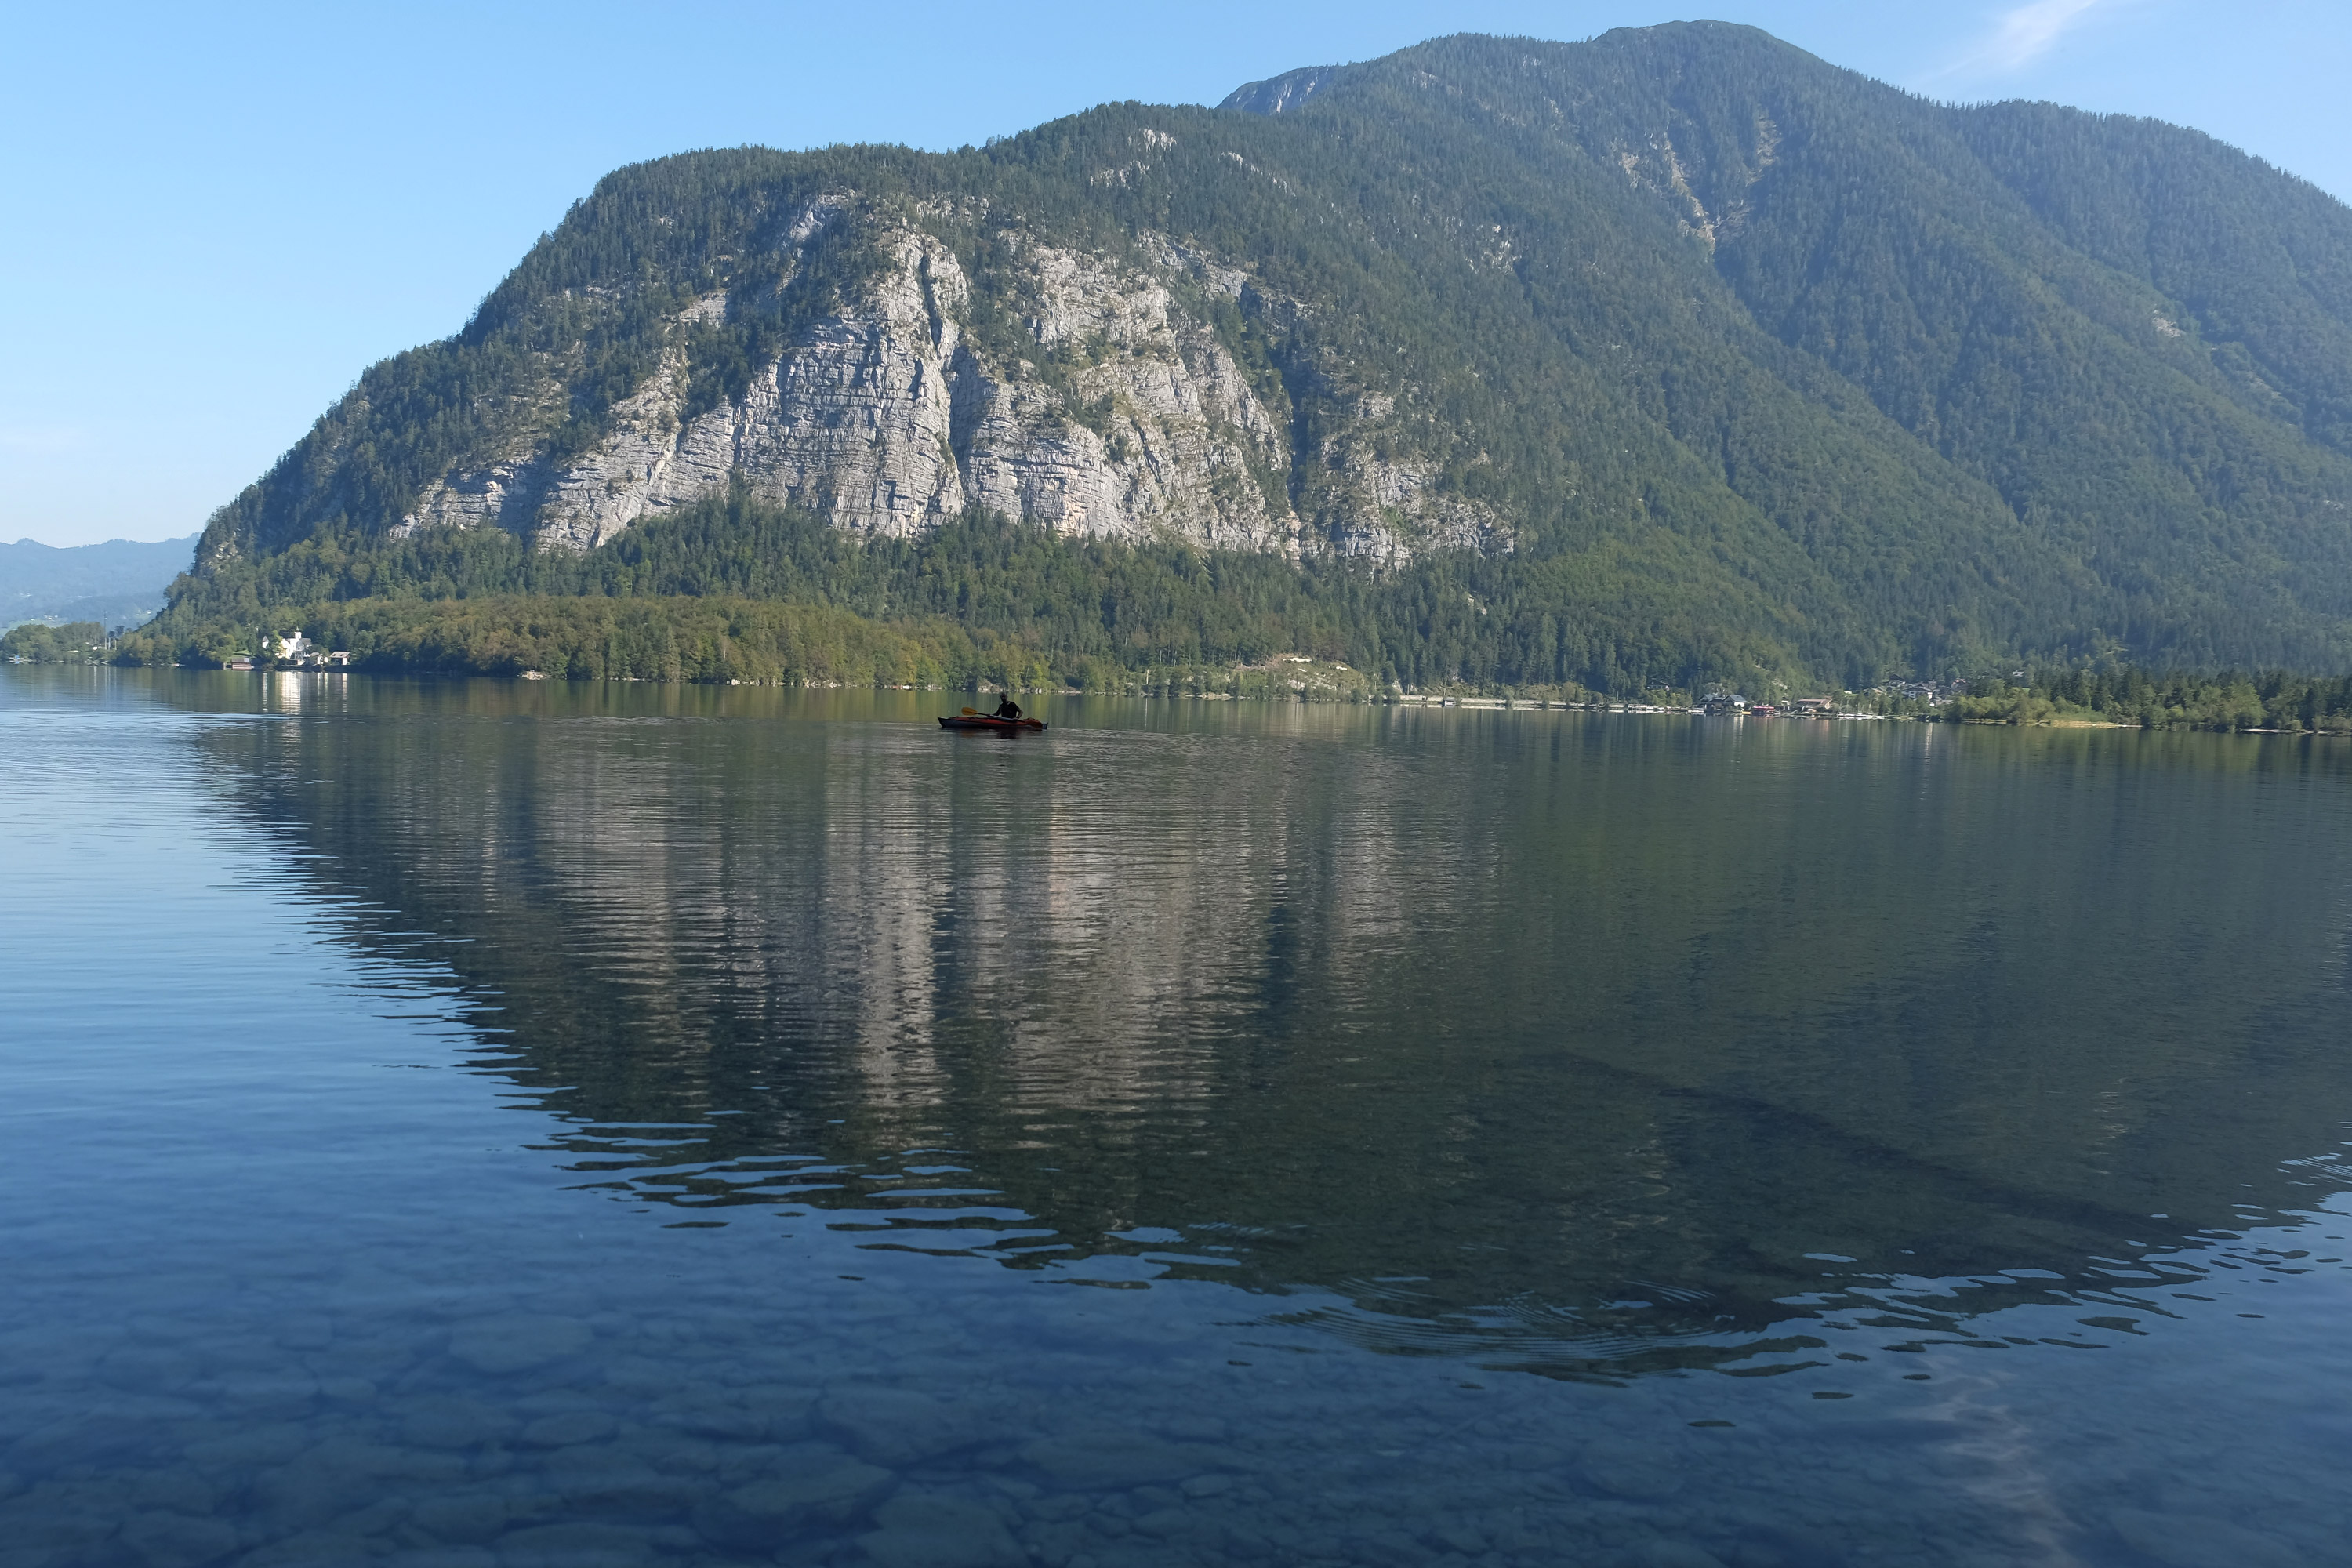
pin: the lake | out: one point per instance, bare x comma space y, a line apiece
501, 1124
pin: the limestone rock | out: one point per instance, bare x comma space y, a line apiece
815, 1487
1116, 1460
1633, 1471
569, 1428
574, 1545
921, 1531
517, 1342
443, 1557
619, 1482
1663, 1554
178, 1540
448, 1422
2198, 1540
462, 1516
1118, 413
901, 1426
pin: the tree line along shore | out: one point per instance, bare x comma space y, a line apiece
750, 642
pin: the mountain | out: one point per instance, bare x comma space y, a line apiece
121, 582
1673, 356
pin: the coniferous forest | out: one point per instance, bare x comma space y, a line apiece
1758, 371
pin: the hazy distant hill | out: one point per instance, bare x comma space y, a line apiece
121, 582
1675, 355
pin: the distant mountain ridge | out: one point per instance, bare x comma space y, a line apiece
121, 582
1675, 355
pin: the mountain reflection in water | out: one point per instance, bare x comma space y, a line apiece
1590, 1046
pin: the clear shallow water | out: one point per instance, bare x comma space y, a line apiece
502, 1124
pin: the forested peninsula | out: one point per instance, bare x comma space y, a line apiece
1673, 360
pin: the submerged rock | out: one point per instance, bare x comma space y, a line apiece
178, 1540
568, 1428
452, 1422
895, 1426
1104, 1461
463, 1517
149, 1369
517, 1342
823, 1489
619, 1481
574, 1546
307, 1549
2199, 1540
1663, 1555
442, 1557
924, 1530
272, 1444
1636, 1473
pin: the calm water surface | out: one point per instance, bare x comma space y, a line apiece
491, 1124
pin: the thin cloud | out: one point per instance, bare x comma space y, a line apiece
2024, 34
2028, 33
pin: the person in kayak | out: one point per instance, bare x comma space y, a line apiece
1008, 709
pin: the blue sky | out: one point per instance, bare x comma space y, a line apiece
219, 216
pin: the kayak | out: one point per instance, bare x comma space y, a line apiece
993, 725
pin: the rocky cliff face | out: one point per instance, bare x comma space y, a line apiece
1114, 410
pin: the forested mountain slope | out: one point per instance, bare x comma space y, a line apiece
1671, 356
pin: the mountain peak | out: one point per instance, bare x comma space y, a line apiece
1285, 93
1280, 94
